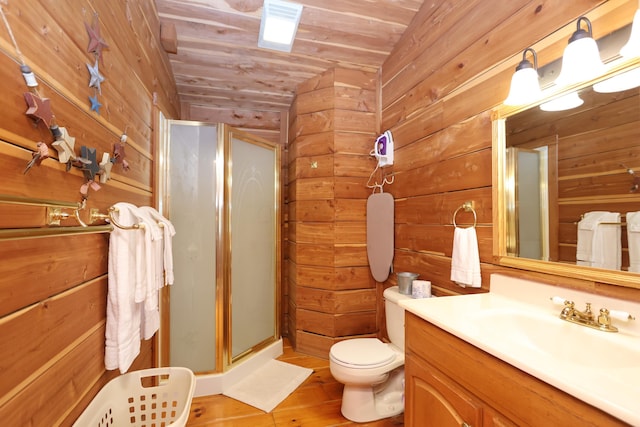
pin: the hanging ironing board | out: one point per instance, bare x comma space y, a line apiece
380, 234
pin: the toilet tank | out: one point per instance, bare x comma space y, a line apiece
394, 315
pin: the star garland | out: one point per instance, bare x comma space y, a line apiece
96, 45
39, 110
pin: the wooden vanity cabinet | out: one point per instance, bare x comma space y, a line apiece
449, 382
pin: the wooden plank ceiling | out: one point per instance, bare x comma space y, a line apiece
218, 62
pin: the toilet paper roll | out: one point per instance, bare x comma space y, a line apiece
421, 289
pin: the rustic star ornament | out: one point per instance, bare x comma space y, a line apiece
105, 168
95, 104
96, 78
64, 144
91, 169
119, 154
39, 108
96, 42
37, 156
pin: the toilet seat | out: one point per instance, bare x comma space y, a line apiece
360, 353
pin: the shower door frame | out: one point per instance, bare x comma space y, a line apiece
223, 328
229, 134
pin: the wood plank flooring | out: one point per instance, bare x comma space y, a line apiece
316, 403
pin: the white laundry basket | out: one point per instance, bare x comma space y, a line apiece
157, 397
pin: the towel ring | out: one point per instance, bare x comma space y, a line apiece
468, 207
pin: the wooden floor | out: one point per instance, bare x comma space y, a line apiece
316, 403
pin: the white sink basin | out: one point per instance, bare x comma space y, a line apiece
517, 322
551, 337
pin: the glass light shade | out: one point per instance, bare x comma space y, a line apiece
525, 87
279, 25
632, 48
624, 81
279, 30
580, 62
565, 102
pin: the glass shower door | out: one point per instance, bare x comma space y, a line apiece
253, 211
220, 189
191, 203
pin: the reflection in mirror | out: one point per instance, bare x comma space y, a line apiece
561, 165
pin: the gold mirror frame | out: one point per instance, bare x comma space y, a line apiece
499, 116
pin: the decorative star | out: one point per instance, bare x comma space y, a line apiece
39, 108
119, 155
95, 104
91, 169
37, 156
105, 168
64, 144
96, 42
96, 77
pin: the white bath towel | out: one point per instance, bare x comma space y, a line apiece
122, 337
465, 259
633, 237
150, 273
599, 244
167, 246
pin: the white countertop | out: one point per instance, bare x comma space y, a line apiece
516, 322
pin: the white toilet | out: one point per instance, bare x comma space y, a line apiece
373, 371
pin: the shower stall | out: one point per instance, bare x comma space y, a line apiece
220, 189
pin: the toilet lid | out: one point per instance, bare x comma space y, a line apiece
362, 352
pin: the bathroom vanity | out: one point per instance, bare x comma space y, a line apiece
449, 382
483, 360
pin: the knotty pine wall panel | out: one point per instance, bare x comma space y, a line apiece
265, 124
322, 277
328, 170
337, 325
54, 289
313, 210
46, 267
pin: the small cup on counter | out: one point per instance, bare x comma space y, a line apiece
421, 289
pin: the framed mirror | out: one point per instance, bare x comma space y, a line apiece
551, 168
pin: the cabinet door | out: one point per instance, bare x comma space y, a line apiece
494, 419
433, 400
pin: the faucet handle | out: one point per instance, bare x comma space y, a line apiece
621, 315
604, 321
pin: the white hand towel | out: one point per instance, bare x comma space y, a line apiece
599, 243
586, 230
465, 259
122, 337
633, 237
607, 243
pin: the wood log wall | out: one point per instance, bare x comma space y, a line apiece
265, 124
452, 66
331, 293
53, 289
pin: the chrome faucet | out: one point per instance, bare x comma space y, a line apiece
601, 322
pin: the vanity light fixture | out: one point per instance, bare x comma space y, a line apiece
632, 48
581, 59
629, 79
565, 102
525, 82
279, 24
